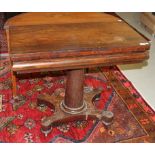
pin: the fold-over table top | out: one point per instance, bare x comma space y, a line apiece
62, 32
74, 34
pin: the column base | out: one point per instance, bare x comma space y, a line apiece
73, 111
63, 115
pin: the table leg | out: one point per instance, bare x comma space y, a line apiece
14, 85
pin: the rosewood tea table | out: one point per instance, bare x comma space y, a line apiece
71, 41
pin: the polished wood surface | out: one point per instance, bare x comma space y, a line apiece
73, 37
38, 36
44, 18
70, 40
78, 62
75, 83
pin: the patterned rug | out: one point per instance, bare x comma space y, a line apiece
3, 44
20, 121
1, 20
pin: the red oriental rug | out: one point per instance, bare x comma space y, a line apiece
134, 120
3, 43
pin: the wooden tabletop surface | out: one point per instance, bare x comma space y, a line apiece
43, 18
61, 41
56, 33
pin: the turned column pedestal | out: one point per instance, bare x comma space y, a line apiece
74, 102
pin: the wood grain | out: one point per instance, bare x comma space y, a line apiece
78, 62
40, 18
70, 34
74, 37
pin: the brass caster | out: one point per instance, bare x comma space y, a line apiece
107, 117
46, 132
